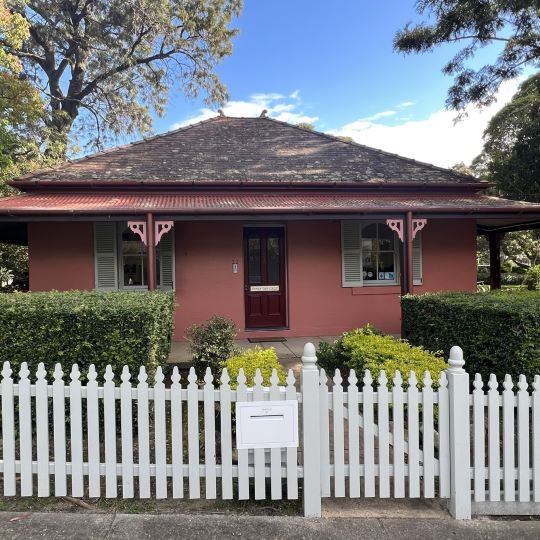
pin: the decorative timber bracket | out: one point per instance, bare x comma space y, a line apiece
160, 228
397, 226
139, 228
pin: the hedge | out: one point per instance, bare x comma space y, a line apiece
499, 332
100, 328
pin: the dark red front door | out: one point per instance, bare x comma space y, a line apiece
265, 294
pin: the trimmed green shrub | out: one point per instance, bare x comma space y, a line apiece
532, 278
333, 355
368, 348
377, 353
117, 328
499, 332
264, 359
211, 343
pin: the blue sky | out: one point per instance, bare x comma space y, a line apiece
332, 63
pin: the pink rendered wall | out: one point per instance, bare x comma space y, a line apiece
318, 304
61, 256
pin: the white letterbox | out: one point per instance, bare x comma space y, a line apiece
266, 424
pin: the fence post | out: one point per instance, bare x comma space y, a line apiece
311, 450
460, 457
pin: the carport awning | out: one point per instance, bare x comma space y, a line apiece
58, 204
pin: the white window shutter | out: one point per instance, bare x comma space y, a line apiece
417, 259
166, 255
351, 254
105, 256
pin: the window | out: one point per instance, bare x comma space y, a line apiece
370, 254
121, 259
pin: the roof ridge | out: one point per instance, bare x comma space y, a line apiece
372, 149
113, 149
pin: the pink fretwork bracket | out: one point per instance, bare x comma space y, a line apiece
139, 228
161, 228
417, 226
397, 226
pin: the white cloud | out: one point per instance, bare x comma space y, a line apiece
405, 104
376, 116
437, 139
281, 107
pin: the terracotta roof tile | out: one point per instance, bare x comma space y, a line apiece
246, 150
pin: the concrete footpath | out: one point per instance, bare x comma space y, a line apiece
52, 526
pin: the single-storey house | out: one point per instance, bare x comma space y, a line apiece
287, 231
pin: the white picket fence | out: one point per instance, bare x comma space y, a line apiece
119, 434
481, 451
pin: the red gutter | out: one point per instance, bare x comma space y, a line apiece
151, 186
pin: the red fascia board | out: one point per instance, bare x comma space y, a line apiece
238, 211
150, 185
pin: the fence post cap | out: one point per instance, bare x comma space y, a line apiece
309, 356
455, 360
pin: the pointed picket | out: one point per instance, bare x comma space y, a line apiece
226, 436
209, 436
536, 438
160, 435
494, 456
42, 432
444, 436
524, 490
384, 435
369, 436
275, 453
243, 456
8, 431
93, 436
479, 441
76, 433
176, 435
292, 453
428, 437
143, 435
324, 411
413, 429
399, 436
339, 444
259, 453
509, 466
193, 435
354, 435
126, 430
109, 419
59, 432
25, 430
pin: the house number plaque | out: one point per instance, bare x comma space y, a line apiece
264, 288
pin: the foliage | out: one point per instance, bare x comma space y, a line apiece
266, 360
510, 156
368, 348
377, 353
100, 328
211, 343
6, 277
107, 64
333, 355
499, 332
14, 259
14, 29
532, 278
475, 24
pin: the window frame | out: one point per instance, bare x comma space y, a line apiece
380, 282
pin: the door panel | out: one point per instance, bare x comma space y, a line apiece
265, 284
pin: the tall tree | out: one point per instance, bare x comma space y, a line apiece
475, 24
112, 62
511, 153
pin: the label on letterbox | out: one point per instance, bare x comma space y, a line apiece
266, 424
